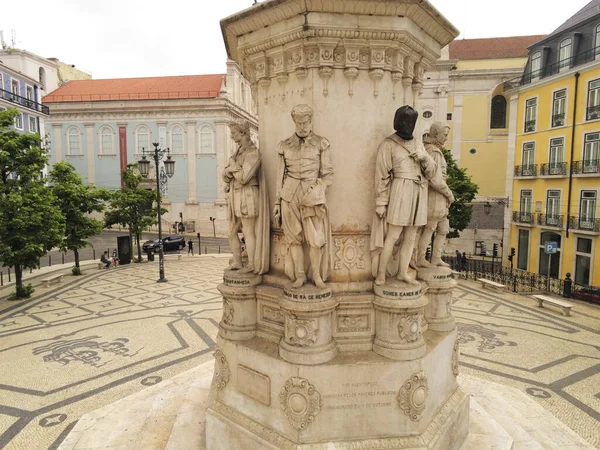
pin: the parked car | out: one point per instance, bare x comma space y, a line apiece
172, 242
588, 294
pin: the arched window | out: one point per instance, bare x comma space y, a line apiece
176, 144
74, 141
206, 139
107, 141
142, 139
498, 117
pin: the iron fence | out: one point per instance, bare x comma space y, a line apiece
559, 168
523, 282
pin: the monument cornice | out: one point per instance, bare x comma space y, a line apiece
271, 12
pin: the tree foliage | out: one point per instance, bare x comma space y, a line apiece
76, 201
464, 190
30, 219
131, 206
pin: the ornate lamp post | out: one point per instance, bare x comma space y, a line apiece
161, 180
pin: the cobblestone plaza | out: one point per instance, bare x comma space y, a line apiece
90, 341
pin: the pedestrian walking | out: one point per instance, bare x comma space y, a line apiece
464, 261
115, 258
190, 247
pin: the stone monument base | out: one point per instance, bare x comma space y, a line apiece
357, 400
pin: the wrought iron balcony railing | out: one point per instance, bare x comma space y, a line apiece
522, 217
550, 220
558, 120
22, 101
529, 126
529, 170
552, 69
584, 223
592, 112
586, 166
557, 169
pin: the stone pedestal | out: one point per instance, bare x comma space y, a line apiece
239, 305
399, 309
307, 316
352, 365
357, 400
438, 311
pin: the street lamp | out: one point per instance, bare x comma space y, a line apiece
144, 167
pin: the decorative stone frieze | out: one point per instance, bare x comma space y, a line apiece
228, 311
222, 372
349, 253
409, 327
300, 402
301, 331
412, 397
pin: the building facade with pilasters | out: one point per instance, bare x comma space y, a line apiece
557, 152
100, 126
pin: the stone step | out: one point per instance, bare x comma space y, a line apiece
485, 432
528, 424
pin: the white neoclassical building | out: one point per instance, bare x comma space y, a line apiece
100, 126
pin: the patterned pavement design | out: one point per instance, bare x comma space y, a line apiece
94, 340
101, 338
554, 359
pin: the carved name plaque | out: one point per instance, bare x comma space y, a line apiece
300, 296
359, 397
254, 384
235, 282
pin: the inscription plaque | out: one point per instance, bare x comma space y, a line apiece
360, 396
254, 384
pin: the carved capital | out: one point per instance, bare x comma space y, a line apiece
455, 358
222, 372
300, 402
409, 327
325, 73
413, 396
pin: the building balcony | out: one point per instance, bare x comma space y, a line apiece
522, 217
558, 120
587, 166
560, 66
529, 126
22, 101
584, 224
529, 170
550, 220
592, 113
556, 169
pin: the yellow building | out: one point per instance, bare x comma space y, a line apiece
466, 89
555, 141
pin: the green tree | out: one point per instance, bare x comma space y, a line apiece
77, 201
464, 190
131, 206
30, 219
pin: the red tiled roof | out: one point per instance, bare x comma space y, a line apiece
492, 48
154, 88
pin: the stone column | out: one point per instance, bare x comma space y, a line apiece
457, 128
91, 157
222, 143
57, 142
239, 305
190, 134
440, 284
399, 310
308, 320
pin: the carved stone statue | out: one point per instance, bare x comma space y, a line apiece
401, 173
248, 203
303, 175
439, 200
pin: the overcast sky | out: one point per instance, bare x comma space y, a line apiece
141, 38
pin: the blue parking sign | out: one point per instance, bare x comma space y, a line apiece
551, 247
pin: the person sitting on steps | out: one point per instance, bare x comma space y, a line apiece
104, 258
